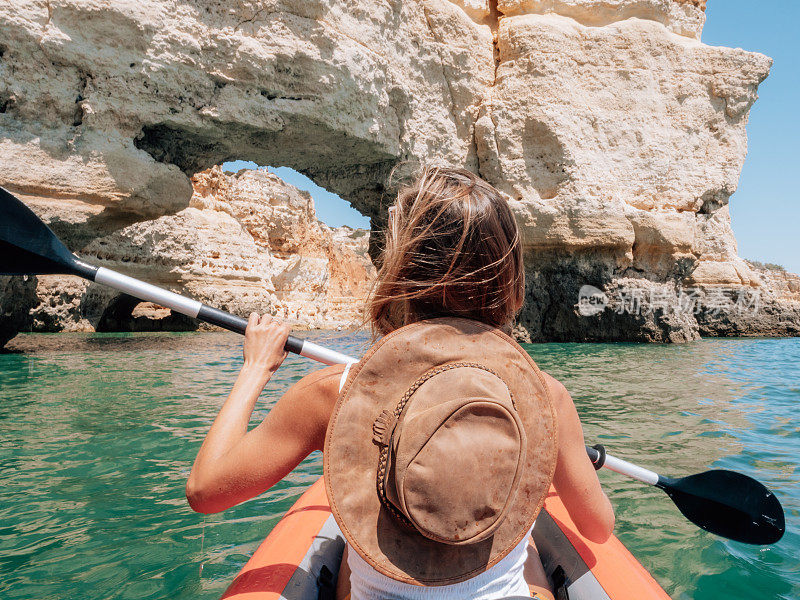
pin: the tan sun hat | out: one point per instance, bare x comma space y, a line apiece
440, 451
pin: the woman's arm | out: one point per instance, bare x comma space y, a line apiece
575, 478
234, 465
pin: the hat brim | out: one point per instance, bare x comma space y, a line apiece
350, 462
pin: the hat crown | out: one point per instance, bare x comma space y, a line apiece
364, 428
457, 421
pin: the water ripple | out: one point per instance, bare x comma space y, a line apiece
97, 435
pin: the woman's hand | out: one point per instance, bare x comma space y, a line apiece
264, 340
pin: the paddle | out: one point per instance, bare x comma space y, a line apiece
726, 503
29, 247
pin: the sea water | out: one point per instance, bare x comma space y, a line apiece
98, 433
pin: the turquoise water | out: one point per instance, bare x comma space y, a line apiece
97, 435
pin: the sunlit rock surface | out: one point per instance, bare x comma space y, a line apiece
247, 242
617, 135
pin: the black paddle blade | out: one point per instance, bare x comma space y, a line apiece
728, 504
27, 245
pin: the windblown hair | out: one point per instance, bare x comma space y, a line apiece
452, 248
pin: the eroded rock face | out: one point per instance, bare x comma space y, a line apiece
684, 17
777, 309
616, 134
110, 107
247, 242
17, 297
619, 143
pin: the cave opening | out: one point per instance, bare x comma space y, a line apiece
126, 313
330, 208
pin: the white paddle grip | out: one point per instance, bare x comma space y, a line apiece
623, 467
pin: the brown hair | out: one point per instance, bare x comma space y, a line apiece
452, 248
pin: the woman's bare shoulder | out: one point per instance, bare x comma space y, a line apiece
312, 400
558, 393
322, 378
569, 425
321, 385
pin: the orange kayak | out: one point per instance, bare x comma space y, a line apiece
306, 546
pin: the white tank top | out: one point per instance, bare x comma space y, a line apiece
500, 581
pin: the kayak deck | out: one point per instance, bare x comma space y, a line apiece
307, 542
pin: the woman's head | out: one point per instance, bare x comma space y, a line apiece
452, 248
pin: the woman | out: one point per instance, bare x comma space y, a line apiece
450, 283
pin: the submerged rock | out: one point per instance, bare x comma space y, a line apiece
617, 135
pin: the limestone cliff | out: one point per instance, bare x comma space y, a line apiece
247, 242
617, 134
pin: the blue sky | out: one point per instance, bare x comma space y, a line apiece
765, 210
331, 209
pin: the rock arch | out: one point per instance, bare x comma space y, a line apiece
595, 122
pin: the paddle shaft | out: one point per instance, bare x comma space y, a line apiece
623, 467
192, 308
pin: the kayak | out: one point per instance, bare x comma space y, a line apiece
302, 554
